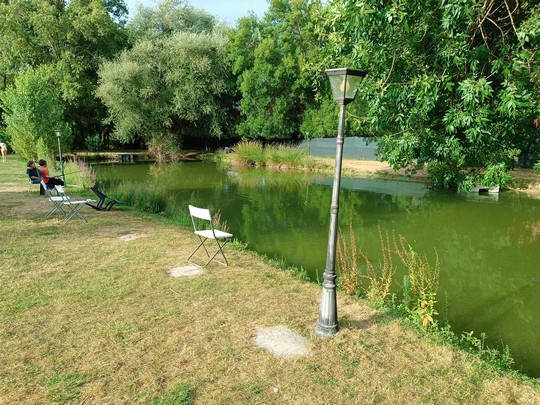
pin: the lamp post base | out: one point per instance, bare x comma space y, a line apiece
326, 331
327, 324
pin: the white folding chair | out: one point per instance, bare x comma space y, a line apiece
203, 226
56, 200
73, 208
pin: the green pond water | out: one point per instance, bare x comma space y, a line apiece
488, 246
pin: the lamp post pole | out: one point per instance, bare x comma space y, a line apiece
328, 321
344, 92
58, 135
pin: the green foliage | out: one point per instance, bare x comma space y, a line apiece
496, 174
285, 156
168, 17
32, 112
501, 359
253, 153
144, 197
93, 143
422, 283
168, 84
270, 57
451, 85
536, 167
64, 41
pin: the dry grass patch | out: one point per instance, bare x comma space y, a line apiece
87, 318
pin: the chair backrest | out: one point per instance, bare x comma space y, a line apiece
61, 192
201, 213
47, 190
98, 192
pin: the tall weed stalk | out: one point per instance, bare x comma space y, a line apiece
379, 280
347, 261
422, 282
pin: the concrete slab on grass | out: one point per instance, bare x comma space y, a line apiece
131, 236
281, 342
189, 270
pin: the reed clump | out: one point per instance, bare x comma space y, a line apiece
78, 172
249, 153
253, 153
152, 198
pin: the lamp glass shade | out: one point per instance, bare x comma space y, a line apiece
344, 83
58, 133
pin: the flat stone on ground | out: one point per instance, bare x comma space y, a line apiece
190, 270
281, 342
131, 236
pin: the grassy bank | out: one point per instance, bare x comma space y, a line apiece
88, 318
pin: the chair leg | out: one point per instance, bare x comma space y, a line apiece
210, 258
74, 212
198, 247
54, 209
220, 250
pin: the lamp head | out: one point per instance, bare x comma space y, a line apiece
344, 83
58, 133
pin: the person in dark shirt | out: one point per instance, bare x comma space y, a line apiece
32, 172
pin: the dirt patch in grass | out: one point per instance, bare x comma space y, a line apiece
87, 318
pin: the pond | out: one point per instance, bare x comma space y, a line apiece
488, 246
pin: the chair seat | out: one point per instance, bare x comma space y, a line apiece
210, 234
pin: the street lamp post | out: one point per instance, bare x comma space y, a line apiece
344, 83
58, 135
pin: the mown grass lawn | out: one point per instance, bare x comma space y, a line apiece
86, 317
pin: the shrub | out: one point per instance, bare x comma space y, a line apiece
93, 143
496, 175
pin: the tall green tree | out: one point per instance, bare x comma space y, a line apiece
32, 112
270, 57
66, 41
451, 84
170, 84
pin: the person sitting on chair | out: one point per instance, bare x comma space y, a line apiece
32, 172
50, 181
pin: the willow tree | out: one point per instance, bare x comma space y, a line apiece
452, 85
170, 83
